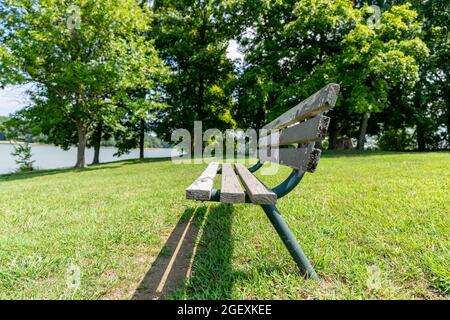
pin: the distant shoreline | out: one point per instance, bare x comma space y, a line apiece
20, 142
6, 142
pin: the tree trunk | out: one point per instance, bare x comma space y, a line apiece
448, 129
421, 137
332, 136
97, 143
82, 133
362, 131
141, 139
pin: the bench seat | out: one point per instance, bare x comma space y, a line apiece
201, 188
238, 184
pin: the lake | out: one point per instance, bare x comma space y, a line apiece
51, 157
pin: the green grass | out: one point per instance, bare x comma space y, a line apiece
359, 218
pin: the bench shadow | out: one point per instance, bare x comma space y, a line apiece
183, 270
173, 263
212, 275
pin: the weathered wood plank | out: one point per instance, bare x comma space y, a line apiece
319, 102
257, 192
305, 158
231, 190
311, 130
201, 188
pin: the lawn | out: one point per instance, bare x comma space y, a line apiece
374, 225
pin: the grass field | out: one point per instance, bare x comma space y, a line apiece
374, 225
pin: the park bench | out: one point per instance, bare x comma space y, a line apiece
302, 125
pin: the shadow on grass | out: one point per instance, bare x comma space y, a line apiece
212, 274
173, 263
90, 168
358, 153
138, 161
184, 270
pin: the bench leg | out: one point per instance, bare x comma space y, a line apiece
289, 240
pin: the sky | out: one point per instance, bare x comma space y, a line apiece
13, 98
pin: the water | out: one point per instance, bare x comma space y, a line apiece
51, 157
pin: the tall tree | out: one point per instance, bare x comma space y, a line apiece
431, 96
192, 36
81, 57
424, 106
284, 43
139, 107
295, 47
376, 57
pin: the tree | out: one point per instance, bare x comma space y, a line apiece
192, 36
423, 107
139, 109
82, 58
431, 96
375, 58
2, 128
23, 155
296, 47
284, 42
17, 128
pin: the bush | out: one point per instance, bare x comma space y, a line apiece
23, 154
397, 140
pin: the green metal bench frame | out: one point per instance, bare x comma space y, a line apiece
277, 220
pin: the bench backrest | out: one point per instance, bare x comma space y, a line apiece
302, 125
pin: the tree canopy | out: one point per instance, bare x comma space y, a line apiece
123, 68
192, 37
82, 58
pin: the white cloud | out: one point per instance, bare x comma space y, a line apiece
13, 98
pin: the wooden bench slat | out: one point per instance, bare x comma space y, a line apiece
305, 158
256, 190
201, 188
231, 190
319, 102
311, 130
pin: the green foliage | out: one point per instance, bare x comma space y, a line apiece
81, 66
430, 98
24, 156
192, 37
138, 114
375, 58
153, 142
424, 106
397, 140
2, 127
288, 41
109, 72
387, 59
20, 129
296, 47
